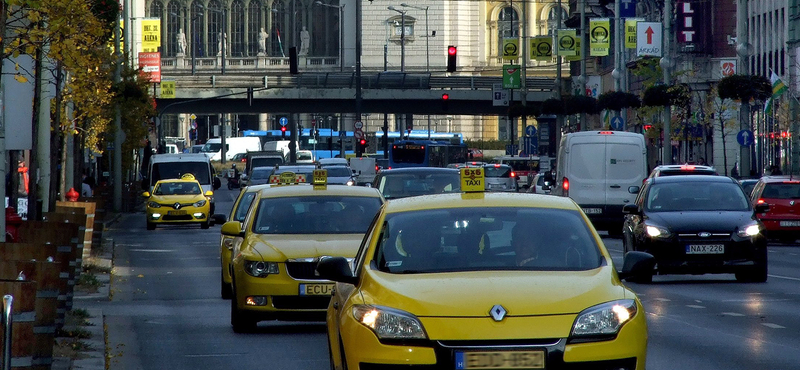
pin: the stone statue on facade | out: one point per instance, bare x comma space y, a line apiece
181, 42
222, 43
305, 39
262, 42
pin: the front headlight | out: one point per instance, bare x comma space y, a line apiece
749, 230
657, 231
199, 203
153, 205
260, 268
350, 182
603, 320
389, 323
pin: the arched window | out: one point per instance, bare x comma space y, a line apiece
279, 36
254, 25
236, 38
156, 9
215, 23
198, 29
552, 19
507, 26
169, 41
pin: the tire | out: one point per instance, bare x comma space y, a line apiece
225, 289
647, 279
755, 274
151, 226
240, 321
205, 225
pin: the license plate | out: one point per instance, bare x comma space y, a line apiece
500, 360
176, 213
316, 289
592, 211
790, 223
705, 249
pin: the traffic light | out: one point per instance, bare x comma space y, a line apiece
293, 60
445, 101
361, 147
452, 52
283, 132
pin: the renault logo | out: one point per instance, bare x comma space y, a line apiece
704, 234
498, 312
791, 202
176, 205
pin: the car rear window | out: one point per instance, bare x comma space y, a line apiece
408, 185
696, 196
781, 191
315, 215
339, 172
502, 171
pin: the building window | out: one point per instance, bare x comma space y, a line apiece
237, 29
254, 26
278, 37
198, 29
507, 26
552, 19
169, 42
215, 22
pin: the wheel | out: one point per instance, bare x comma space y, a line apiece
615, 232
225, 289
646, 279
241, 322
204, 225
626, 244
151, 226
756, 273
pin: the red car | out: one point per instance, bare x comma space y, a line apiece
782, 194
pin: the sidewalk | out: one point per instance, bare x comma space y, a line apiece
94, 357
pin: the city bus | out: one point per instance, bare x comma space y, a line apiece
425, 153
325, 144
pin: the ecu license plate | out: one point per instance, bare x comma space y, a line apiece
705, 249
592, 211
316, 289
500, 360
176, 213
790, 223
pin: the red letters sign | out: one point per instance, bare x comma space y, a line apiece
150, 64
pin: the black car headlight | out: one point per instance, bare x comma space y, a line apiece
153, 205
260, 268
389, 323
603, 321
749, 231
657, 232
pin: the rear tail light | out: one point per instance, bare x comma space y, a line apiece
565, 185
495, 166
606, 132
761, 201
513, 174
687, 167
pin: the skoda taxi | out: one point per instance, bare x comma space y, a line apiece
482, 280
287, 230
178, 201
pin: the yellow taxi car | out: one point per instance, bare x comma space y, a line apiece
484, 281
287, 230
177, 201
227, 244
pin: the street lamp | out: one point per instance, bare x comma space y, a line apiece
341, 30
402, 37
427, 35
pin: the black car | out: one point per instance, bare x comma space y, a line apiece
681, 169
697, 224
414, 181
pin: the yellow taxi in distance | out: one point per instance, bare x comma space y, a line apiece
177, 201
228, 244
287, 230
484, 281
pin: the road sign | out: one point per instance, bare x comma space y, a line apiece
358, 125
358, 134
617, 123
745, 138
499, 96
193, 116
342, 133
283, 121
648, 38
627, 8
530, 131
530, 144
512, 149
511, 77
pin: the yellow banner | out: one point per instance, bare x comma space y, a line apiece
541, 48
577, 56
151, 34
566, 42
599, 36
167, 89
630, 32
510, 48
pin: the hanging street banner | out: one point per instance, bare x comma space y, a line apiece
151, 34
510, 48
566, 42
541, 48
511, 77
648, 39
577, 57
150, 63
630, 32
168, 89
599, 37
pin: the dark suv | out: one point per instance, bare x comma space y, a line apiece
782, 195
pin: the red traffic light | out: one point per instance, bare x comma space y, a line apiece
283, 128
451, 50
363, 142
445, 96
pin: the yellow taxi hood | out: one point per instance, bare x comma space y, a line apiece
183, 199
279, 248
473, 294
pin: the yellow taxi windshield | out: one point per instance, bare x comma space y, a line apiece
177, 188
480, 239
315, 215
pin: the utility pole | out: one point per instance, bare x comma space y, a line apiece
743, 51
666, 153
524, 67
117, 158
559, 117
3, 169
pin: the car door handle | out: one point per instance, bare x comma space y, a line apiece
615, 186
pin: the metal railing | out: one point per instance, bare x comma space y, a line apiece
7, 322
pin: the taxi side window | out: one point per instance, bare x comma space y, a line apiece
365, 243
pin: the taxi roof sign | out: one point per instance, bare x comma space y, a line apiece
287, 178
320, 177
188, 176
472, 179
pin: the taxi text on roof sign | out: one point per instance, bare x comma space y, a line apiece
472, 179
320, 177
287, 178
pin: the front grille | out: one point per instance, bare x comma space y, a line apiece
504, 343
300, 303
302, 270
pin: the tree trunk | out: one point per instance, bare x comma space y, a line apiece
724, 150
33, 179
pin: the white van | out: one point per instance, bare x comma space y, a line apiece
278, 145
173, 166
235, 145
601, 171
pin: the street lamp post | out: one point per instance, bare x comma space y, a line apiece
427, 36
341, 30
402, 37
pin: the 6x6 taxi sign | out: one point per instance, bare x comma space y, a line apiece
472, 179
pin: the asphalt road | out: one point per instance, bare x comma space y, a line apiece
166, 311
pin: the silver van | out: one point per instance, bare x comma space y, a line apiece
173, 166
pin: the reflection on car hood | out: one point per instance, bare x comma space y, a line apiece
710, 221
279, 248
472, 294
169, 199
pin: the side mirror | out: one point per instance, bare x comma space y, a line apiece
146, 194
209, 193
633, 189
630, 209
219, 219
336, 269
217, 183
637, 266
761, 207
232, 228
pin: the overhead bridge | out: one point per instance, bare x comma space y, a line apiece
386, 92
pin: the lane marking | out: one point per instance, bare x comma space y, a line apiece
662, 299
784, 277
216, 355
735, 314
153, 250
773, 326
695, 306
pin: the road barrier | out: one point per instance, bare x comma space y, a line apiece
18, 341
88, 209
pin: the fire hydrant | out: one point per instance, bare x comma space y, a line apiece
13, 220
72, 195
